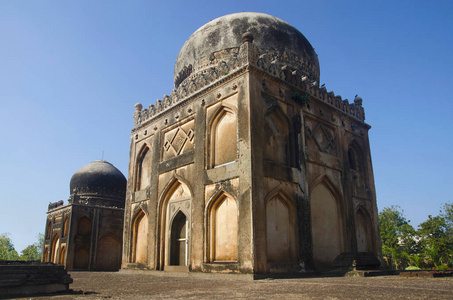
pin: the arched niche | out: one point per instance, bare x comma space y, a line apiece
81, 259
355, 157
108, 254
176, 197
55, 249
363, 229
222, 137
179, 238
84, 226
62, 255
280, 229
223, 228
327, 224
278, 143
140, 238
48, 229
143, 169
65, 227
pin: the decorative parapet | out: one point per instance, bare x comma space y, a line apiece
289, 68
54, 205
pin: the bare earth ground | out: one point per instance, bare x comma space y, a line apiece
146, 285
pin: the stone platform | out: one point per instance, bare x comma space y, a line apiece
23, 278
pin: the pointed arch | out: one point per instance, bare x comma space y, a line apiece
279, 140
81, 259
84, 226
48, 229
66, 226
222, 137
177, 196
222, 230
62, 260
55, 249
327, 222
179, 239
280, 227
355, 157
139, 243
108, 253
143, 168
363, 229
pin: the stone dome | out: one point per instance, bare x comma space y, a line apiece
99, 177
271, 35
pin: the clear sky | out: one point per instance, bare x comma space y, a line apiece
71, 72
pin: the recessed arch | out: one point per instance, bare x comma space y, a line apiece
48, 229
55, 249
62, 259
280, 228
66, 227
108, 253
222, 137
84, 226
364, 232
81, 259
139, 243
327, 222
179, 237
177, 196
143, 168
355, 157
222, 232
279, 142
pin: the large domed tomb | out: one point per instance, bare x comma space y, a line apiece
248, 165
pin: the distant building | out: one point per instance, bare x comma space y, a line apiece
87, 233
249, 165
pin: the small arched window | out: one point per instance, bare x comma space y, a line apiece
143, 169
223, 137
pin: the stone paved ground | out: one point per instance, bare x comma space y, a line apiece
146, 285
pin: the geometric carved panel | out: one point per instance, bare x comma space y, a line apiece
320, 137
178, 140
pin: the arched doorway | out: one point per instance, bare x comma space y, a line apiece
363, 231
175, 212
280, 237
108, 254
179, 240
327, 227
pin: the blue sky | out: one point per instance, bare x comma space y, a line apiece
71, 72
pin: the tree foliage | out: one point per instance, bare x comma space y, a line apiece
430, 245
7, 251
33, 251
397, 236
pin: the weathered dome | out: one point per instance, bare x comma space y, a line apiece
99, 177
271, 35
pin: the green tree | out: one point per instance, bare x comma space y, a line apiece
397, 236
436, 240
7, 251
33, 251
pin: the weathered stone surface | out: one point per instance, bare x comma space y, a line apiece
23, 278
248, 129
87, 232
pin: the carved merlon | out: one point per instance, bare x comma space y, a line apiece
226, 63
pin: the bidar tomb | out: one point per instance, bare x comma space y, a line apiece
248, 166
87, 233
